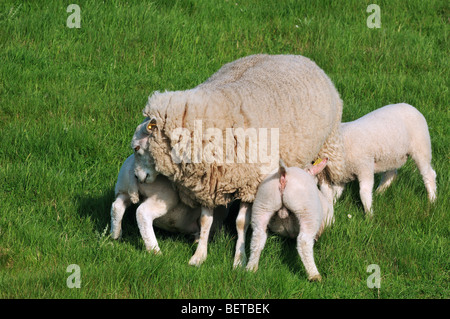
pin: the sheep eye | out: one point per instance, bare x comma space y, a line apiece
137, 148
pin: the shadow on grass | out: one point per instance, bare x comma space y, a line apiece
98, 209
291, 258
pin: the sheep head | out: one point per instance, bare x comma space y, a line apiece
144, 164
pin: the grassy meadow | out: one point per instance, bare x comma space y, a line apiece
71, 98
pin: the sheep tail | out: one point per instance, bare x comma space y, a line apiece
282, 171
283, 212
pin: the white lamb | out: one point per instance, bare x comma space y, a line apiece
381, 141
296, 190
160, 206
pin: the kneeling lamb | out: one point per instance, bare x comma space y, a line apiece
160, 206
381, 141
295, 189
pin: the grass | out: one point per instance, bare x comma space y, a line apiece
70, 100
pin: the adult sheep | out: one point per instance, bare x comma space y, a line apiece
285, 94
198, 136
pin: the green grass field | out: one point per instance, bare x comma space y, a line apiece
71, 98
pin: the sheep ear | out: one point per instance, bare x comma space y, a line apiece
318, 166
151, 125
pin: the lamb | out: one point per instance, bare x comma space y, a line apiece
160, 207
288, 96
381, 141
296, 190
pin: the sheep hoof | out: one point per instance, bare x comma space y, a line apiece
239, 262
116, 236
432, 198
317, 278
196, 261
155, 251
252, 268
134, 199
380, 189
369, 215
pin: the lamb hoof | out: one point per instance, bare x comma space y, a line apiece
251, 267
317, 278
155, 251
196, 261
116, 236
134, 198
239, 262
432, 198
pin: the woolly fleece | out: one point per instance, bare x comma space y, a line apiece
288, 92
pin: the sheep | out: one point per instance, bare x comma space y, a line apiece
294, 189
171, 214
288, 96
381, 141
161, 206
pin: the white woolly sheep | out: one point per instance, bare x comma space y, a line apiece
286, 95
161, 206
296, 190
381, 141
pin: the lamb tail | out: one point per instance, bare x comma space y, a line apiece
282, 171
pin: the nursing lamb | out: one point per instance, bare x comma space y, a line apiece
296, 190
160, 207
381, 141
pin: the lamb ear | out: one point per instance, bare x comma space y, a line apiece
318, 166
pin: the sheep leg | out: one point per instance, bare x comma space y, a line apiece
338, 189
327, 190
145, 214
260, 220
118, 208
305, 243
428, 176
242, 222
430, 184
206, 220
310, 227
386, 180
366, 181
